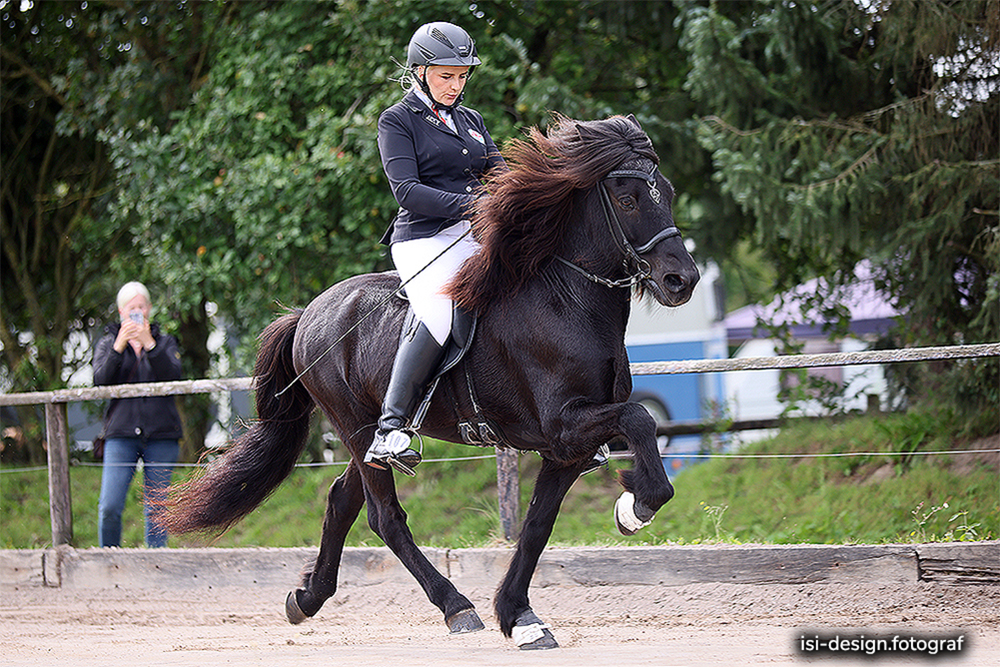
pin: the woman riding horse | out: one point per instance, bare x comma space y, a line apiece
581, 217
434, 152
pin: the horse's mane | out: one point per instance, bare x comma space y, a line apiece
522, 221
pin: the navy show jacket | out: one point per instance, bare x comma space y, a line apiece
434, 171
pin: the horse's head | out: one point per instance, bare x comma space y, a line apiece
639, 201
587, 194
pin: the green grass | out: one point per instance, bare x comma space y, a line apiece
858, 499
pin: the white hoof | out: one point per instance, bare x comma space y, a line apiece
627, 519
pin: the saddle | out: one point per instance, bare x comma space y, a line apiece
478, 430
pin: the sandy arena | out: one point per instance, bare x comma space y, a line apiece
391, 622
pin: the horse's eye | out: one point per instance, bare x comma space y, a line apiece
626, 202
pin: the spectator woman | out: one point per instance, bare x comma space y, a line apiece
146, 428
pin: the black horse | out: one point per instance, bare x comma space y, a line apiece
581, 216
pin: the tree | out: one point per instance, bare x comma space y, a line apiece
56, 186
267, 187
226, 152
74, 75
848, 130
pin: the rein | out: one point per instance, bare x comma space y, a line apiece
378, 306
643, 270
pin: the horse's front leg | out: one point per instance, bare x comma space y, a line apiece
343, 505
647, 487
517, 620
388, 520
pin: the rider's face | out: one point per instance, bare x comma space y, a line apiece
446, 82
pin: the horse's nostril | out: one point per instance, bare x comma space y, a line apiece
673, 282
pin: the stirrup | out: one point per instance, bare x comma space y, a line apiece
392, 448
599, 461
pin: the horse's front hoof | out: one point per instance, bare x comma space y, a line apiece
530, 634
464, 621
631, 515
293, 612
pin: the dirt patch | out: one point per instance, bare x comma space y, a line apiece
878, 471
703, 624
966, 463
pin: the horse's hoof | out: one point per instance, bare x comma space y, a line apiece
631, 515
530, 634
546, 641
293, 612
464, 621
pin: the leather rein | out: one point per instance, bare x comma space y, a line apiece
630, 252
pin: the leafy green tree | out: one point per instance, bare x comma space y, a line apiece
225, 152
56, 185
267, 187
848, 130
75, 75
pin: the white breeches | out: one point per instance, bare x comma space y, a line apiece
432, 307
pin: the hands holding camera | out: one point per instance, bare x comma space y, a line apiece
134, 331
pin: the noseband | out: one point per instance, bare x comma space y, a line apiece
630, 252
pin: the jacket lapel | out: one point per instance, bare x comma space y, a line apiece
417, 106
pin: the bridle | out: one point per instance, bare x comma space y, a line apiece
631, 253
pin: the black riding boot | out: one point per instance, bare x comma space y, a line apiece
416, 361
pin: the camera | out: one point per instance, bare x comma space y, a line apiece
135, 316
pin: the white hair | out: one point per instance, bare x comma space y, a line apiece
131, 290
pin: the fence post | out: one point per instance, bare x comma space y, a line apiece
60, 507
508, 492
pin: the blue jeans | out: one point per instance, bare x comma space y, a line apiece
120, 457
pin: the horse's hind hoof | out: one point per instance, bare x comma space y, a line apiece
464, 621
293, 612
530, 634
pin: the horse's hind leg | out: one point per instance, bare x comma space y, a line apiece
513, 610
343, 505
388, 520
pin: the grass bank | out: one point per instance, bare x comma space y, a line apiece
810, 486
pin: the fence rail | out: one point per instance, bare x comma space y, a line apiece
860, 358
60, 504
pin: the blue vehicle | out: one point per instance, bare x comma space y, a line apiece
692, 331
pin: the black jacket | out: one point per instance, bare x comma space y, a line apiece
434, 171
152, 417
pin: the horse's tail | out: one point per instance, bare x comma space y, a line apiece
258, 461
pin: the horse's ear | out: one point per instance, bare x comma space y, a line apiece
635, 121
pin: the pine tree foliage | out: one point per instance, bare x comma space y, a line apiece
849, 130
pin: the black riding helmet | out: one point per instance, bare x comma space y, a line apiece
441, 43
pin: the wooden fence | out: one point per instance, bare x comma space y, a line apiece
60, 503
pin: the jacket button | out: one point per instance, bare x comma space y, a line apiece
468, 188
138, 431
465, 151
